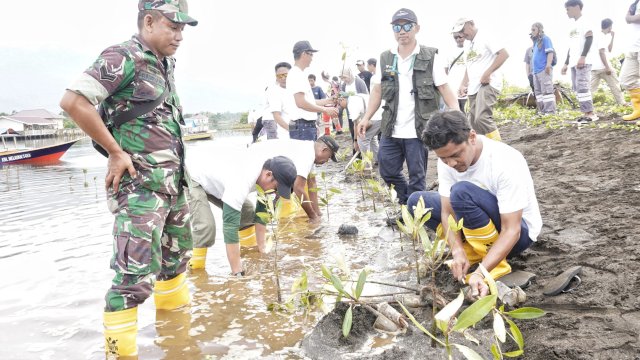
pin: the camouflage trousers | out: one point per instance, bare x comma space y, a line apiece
152, 239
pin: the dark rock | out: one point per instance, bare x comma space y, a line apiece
347, 230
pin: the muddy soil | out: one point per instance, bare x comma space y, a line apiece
588, 187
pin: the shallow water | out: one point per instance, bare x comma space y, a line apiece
56, 245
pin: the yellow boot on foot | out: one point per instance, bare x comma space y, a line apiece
635, 103
171, 294
247, 236
494, 135
120, 332
198, 259
478, 242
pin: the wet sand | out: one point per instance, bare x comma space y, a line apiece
589, 193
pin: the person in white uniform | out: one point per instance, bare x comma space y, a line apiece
487, 184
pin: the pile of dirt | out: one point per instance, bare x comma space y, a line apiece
588, 188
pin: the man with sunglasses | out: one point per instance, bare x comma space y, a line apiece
482, 82
410, 81
456, 67
305, 113
278, 103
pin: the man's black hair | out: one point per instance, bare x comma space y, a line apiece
311, 76
283, 64
574, 3
606, 23
445, 127
372, 61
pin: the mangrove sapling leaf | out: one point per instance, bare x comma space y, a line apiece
347, 322
476, 312
444, 316
326, 273
526, 313
514, 353
495, 351
419, 326
337, 283
468, 336
493, 288
360, 286
498, 327
468, 353
516, 334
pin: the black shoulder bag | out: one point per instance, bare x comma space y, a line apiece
134, 112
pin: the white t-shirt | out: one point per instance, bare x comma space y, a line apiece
405, 127
279, 99
456, 73
503, 171
479, 56
232, 176
634, 34
600, 41
577, 31
298, 82
301, 152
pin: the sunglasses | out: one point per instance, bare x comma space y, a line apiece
309, 53
406, 27
281, 76
458, 37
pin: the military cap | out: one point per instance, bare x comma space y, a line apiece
174, 10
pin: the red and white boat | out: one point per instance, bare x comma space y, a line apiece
41, 155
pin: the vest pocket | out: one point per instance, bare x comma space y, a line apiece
427, 100
388, 90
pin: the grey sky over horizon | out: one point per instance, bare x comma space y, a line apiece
226, 61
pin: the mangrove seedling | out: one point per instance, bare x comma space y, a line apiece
360, 166
413, 226
271, 217
447, 323
327, 192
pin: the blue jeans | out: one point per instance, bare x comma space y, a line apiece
303, 130
473, 204
392, 154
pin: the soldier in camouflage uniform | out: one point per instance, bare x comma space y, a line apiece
146, 176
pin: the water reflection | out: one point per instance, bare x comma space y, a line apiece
56, 245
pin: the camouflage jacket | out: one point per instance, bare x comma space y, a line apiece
131, 73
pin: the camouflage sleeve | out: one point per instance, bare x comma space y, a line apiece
230, 224
110, 73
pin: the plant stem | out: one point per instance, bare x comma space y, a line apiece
433, 306
275, 262
394, 285
415, 253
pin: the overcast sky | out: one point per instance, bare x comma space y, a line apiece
225, 62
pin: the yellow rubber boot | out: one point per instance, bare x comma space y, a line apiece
198, 259
171, 294
287, 208
120, 332
477, 246
247, 236
635, 103
494, 135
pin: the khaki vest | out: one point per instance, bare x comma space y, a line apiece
424, 90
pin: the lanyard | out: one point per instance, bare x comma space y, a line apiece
395, 63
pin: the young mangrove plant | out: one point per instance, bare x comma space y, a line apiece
327, 192
413, 226
271, 217
360, 167
447, 323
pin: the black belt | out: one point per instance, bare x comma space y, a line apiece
305, 120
